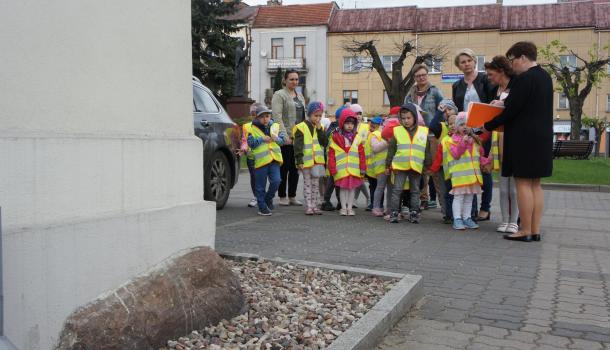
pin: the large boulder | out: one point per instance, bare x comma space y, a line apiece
187, 293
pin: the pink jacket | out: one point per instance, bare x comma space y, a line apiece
462, 145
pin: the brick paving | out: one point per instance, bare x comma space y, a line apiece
481, 292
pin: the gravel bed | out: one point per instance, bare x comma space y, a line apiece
290, 307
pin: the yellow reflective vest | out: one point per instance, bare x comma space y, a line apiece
266, 153
375, 162
245, 129
410, 154
495, 150
363, 131
347, 164
466, 170
312, 151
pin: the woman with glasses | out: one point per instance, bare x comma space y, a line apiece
528, 136
427, 97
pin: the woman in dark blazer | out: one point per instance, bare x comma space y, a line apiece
474, 87
528, 136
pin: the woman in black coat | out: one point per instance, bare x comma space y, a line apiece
528, 136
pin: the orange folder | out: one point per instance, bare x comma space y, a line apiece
481, 113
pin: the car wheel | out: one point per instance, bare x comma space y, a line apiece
218, 180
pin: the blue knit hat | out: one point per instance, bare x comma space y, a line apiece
315, 106
376, 120
338, 111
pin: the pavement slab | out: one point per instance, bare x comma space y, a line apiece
480, 291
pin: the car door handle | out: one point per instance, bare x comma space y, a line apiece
205, 123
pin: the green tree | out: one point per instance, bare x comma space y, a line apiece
395, 83
570, 77
212, 45
599, 125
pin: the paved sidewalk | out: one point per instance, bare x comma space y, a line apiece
481, 292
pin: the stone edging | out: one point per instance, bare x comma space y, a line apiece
368, 331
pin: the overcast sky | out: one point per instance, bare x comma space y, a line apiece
393, 3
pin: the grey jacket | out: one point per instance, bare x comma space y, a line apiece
430, 102
284, 110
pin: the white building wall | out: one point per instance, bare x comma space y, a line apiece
315, 57
100, 174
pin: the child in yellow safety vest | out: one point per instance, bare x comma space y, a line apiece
309, 142
346, 160
376, 149
408, 154
245, 150
463, 159
264, 141
363, 132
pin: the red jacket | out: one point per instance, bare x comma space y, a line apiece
340, 141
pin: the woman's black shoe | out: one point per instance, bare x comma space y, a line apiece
484, 218
536, 237
526, 238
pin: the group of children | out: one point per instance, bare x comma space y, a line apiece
391, 152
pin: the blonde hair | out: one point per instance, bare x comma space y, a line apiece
463, 52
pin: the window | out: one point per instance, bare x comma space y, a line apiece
387, 62
563, 102
203, 101
608, 104
386, 98
277, 48
350, 96
480, 63
567, 61
434, 64
356, 64
299, 47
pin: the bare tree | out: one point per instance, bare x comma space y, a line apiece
570, 76
396, 85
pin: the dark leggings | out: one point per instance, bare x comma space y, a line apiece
289, 173
487, 192
372, 187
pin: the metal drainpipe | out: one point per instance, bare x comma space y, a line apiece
5, 344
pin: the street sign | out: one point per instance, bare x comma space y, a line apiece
451, 78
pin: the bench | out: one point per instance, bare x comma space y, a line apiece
573, 148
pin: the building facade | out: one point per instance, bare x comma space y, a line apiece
488, 30
290, 37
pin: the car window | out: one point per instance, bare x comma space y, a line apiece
203, 101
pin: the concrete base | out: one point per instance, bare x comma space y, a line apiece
52, 270
368, 331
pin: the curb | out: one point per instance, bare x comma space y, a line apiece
368, 331
572, 187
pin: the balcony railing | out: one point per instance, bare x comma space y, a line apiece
286, 63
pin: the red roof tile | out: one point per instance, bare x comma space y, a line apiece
458, 18
294, 15
572, 14
373, 20
602, 16
563, 15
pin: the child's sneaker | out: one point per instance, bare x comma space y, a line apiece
284, 201
469, 223
317, 211
414, 217
432, 205
270, 204
458, 224
370, 207
309, 211
252, 203
343, 212
394, 217
351, 212
328, 206
264, 212
502, 227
